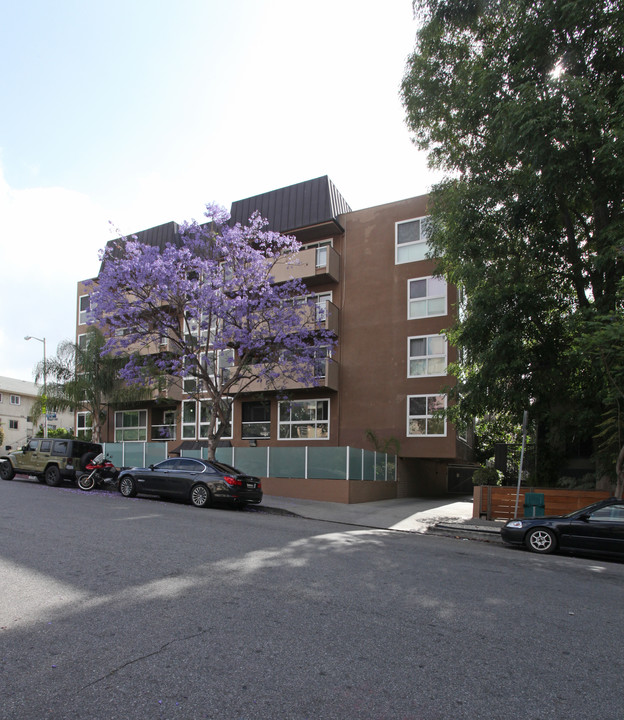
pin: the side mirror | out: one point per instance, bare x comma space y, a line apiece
584, 517
151, 467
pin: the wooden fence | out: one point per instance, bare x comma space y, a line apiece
499, 503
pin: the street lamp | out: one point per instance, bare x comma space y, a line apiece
45, 384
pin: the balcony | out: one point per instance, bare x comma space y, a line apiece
314, 266
327, 376
326, 315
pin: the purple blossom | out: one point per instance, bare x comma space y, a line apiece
208, 308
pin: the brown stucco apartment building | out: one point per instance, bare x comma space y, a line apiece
375, 288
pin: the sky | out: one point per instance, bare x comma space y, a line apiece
120, 115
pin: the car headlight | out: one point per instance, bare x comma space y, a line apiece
514, 524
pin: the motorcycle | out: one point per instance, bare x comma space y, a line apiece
100, 473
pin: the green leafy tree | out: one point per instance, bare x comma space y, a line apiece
80, 377
602, 342
60, 433
521, 103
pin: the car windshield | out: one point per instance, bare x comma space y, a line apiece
586, 510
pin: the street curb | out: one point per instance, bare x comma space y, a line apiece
268, 510
472, 532
468, 528
465, 532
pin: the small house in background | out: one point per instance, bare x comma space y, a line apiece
16, 400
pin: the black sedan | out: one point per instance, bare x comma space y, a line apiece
598, 528
200, 482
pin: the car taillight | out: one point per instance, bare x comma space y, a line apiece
233, 481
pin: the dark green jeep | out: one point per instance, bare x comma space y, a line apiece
49, 460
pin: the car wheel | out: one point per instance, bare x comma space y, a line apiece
200, 496
127, 486
541, 540
52, 475
86, 482
6, 470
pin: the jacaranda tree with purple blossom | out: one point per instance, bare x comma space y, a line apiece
207, 312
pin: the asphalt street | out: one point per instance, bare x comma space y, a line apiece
134, 608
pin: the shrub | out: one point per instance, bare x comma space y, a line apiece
486, 476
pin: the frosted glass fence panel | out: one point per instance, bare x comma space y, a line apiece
314, 462
368, 461
288, 462
114, 451
155, 453
223, 455
330, 462
193, 454
135, 454
355, 463
250, 460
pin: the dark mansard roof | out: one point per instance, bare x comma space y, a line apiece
303, 205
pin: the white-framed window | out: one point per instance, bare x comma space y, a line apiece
219, 363
321, 251
321, 300
426, 355
321, 355
462, 431
204, 411
84, 305
426, 297
303, 420
131, 426
15, 399
411, 240
163, 424
199, 331
0, 397
189, 419
190, 384
194, 426
13, 425
422, 418
83, 425
255, 419
82, 341
123, 331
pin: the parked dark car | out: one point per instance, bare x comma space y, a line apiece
200, 482
598, 528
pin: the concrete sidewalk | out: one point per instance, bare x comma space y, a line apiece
419, 515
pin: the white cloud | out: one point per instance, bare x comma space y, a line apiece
50, 239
